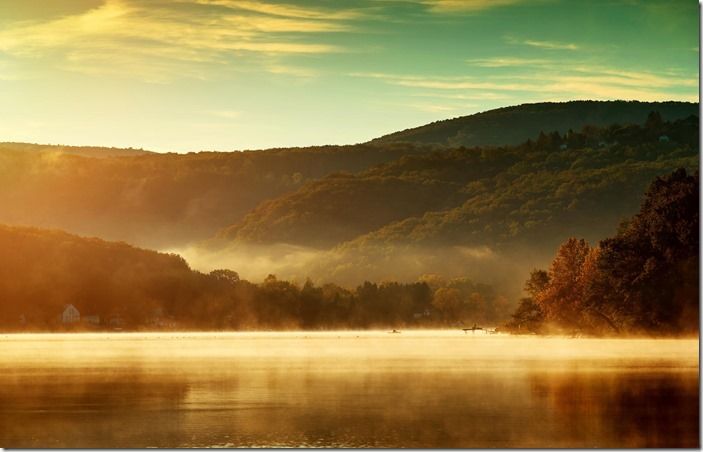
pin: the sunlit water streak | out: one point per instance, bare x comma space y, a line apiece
345, 389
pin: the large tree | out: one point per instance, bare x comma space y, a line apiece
643, 280
651, 266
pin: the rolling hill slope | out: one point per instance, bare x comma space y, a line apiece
383, 193
160, 200
581, 184
515, 124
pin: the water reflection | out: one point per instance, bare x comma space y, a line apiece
631, 409
337, 389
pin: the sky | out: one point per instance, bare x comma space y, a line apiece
190, 75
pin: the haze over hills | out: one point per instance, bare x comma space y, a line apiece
116, 285
485, 209
161, 200
515, 124
84, 151
403, 205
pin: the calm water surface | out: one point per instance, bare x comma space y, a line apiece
346, 389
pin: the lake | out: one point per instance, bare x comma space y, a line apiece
346, 389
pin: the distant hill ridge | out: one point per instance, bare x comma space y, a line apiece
497, 127
320, 196
83, 151
515, 124
555, 185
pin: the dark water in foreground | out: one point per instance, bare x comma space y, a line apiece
352, 389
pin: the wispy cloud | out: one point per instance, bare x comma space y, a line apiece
427, 106
436, 107
570, 68
551, 45
554, 80
540, 44
507, 62
449, 6
442, 82
473, 96
460, 6
152, 40
295, 71
277, 9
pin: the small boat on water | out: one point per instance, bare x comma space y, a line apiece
472, 329
394, 332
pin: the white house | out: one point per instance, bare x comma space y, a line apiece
70, 314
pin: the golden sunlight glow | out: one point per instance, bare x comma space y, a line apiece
158, 41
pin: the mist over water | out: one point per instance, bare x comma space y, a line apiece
352, 388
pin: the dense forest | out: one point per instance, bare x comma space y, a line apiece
580, 182
160, 200
644, 280
117, 286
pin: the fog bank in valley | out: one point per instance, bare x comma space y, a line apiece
351, 267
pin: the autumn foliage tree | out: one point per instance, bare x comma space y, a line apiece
561, 298
643, 280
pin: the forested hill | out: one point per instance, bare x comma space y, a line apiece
515, 124
324, 195
581, 183
161, 200
118, 286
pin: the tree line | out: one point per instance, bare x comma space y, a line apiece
116, 285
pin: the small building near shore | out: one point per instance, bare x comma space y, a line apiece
70, 314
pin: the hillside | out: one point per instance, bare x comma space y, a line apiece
161, 200
117, 286
337, 208
515, 124
42, 270
172, 200
584, 183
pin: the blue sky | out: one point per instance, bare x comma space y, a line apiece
187, 75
